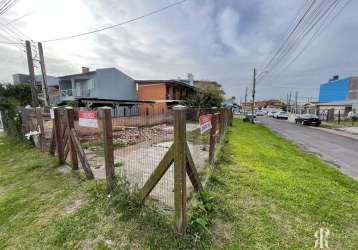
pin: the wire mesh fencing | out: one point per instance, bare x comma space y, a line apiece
91, 139
140, 142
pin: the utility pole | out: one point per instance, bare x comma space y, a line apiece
44, 78
35, 101
245, 101
253, 97
289, 102
296, 100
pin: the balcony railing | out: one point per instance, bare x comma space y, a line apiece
67, 92
83, 93
76, 92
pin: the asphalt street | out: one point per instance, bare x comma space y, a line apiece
340, 151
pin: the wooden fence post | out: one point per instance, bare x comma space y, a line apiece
180, 167
231, 116
58, 134
40, 123
108, 147
221, 123
213, 139
71, 144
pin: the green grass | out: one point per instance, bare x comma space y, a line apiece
196, 137
264, 194
44, 208
274, 196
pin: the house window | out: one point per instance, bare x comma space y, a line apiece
66, 88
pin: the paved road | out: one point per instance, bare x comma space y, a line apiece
335, 149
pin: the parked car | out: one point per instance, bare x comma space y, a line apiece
249, 115
308, 119
260, 113
271, 114
282, 115
275, 114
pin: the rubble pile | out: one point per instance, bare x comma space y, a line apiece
133, 135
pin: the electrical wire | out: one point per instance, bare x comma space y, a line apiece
6, 6
278, 51
116, 25
314, 16
20, 17
314, 21
318, 33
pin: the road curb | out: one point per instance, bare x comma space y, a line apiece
336, 132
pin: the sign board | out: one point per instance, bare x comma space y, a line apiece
205, 123
88, 119
52, 114
49, 124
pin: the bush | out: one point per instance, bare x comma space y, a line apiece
12, 97
205, 97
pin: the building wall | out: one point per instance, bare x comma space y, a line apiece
20, 78
111, 83
353, 88
152, 92
334, 91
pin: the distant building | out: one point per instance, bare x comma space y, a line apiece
337, 97
52, 81
339, 90
273, 103
52, 84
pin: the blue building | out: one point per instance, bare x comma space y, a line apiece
107, 83
339, 90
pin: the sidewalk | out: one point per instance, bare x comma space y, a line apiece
349, 132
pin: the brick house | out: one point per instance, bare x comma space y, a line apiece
165, 93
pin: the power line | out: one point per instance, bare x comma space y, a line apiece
323, 26
116, 25
105, 28
316, 14
6, 6
321, 14
19, 18
278, 51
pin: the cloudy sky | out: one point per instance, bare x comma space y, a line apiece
220, 40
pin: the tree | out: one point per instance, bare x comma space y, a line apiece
12, 97
19, 92
205, 97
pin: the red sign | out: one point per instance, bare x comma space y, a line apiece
205, 122
88, 119
87, 114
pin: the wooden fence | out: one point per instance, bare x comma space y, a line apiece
64, 141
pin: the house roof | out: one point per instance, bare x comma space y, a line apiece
75, 75
112, 101
172, 82
338, 103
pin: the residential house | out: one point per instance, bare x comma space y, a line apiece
106, 86
107, 83
164, 93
